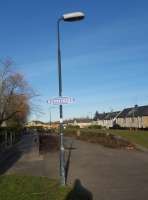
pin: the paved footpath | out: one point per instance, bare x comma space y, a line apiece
107, 173
29, 161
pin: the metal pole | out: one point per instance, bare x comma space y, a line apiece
62, 159
50, 118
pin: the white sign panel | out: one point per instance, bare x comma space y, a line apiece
61, 100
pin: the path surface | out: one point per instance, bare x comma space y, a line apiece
29, 161
107, 173
110, 174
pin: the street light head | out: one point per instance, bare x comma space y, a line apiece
75, 16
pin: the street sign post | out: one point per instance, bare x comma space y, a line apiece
61, 100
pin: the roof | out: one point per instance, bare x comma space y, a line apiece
36, 122
83, 120
127, 112
101, 116
107, 116
78, 120
143, 110
111, 115
124, 113
137, 111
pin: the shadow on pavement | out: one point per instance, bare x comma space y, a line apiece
8, 159
68, 162
79, 192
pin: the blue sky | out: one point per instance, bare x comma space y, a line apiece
104, 57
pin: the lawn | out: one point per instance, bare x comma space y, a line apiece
15, 187
137, 137
30, 188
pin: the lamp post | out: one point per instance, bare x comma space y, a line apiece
50, 113
70, 17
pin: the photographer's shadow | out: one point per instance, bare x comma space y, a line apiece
79, 192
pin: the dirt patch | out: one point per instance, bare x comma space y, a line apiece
48, 143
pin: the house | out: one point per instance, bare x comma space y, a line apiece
107, 119
101, 119
134, 117
37, 124
81, 122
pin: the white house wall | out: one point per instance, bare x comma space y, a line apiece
136, 122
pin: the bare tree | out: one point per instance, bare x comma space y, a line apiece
15, 94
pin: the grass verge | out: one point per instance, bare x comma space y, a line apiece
106, 137
137, 137
99, 136
14, 187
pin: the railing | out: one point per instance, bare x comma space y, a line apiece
8, 137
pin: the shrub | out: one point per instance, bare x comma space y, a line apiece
100, 137
95, 127
73, 126
70, 131
116, 126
